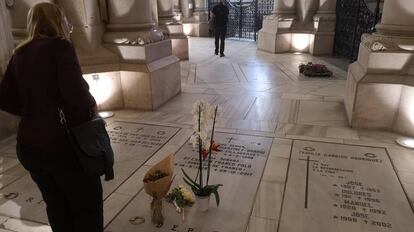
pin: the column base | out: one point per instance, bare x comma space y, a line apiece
197, 25
175, 32
281, 33
379, 91
145, 77
197, 29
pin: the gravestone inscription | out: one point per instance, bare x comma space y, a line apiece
133, 144
336, 187
132, 141
239, 167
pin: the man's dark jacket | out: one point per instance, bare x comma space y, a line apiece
221, 13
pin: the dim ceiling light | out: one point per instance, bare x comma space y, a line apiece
106, 114
406, 142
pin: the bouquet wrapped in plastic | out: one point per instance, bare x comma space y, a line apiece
157, 183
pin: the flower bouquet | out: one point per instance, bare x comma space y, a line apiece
157, 182
314, 70
181, 198
203, 140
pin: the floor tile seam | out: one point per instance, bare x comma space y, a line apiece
266, 218
22, 219
2, 172
122, 194
14, 181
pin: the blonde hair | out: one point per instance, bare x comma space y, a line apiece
45, 20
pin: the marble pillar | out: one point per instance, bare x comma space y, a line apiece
380, 84
187, 8
6, 38
88, 27
195, 17
399, 22
149, 72
299, 26
172, 29
177, 9
322, 40
8, 123
18, 12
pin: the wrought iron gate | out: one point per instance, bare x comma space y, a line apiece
246, 16
354, 18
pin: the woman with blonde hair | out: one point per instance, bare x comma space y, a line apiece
42, 75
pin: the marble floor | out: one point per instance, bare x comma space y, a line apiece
261, 94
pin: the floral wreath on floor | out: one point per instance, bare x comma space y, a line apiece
314, 70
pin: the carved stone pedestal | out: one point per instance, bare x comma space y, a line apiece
175, 32
299, 26
197, 25
380, 86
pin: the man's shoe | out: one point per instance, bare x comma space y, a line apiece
222, 55
216, 53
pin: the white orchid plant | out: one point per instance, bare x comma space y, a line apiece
205, 116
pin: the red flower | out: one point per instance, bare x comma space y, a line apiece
215, 147
205, 154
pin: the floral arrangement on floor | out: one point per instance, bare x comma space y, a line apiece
314, 70
181, 198
205, 117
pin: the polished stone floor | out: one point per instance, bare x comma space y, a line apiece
262, 94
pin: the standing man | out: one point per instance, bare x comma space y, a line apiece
220, 14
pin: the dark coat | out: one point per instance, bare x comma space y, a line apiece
221, 13
40, 77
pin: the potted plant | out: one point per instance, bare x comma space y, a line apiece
203, 140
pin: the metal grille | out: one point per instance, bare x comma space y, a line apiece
353, 18
245, 17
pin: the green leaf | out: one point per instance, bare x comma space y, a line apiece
188, 178
217, 196
190, 184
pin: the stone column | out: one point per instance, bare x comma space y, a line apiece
380, 84
131, 22
187, 7
324, 21
149, 72
275, 34
177, 7
155, 17
195, 17
88, 28
299, 26
172, 28
18, 13
8, 123
200, 5
6, 38
165, 11
397, 17
284, 7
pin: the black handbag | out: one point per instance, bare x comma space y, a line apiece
92, 146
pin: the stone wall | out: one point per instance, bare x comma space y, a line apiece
8, 123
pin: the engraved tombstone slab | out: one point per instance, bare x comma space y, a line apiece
133, 145
336, 187
239, 167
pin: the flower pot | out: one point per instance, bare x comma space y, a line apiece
203, 203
